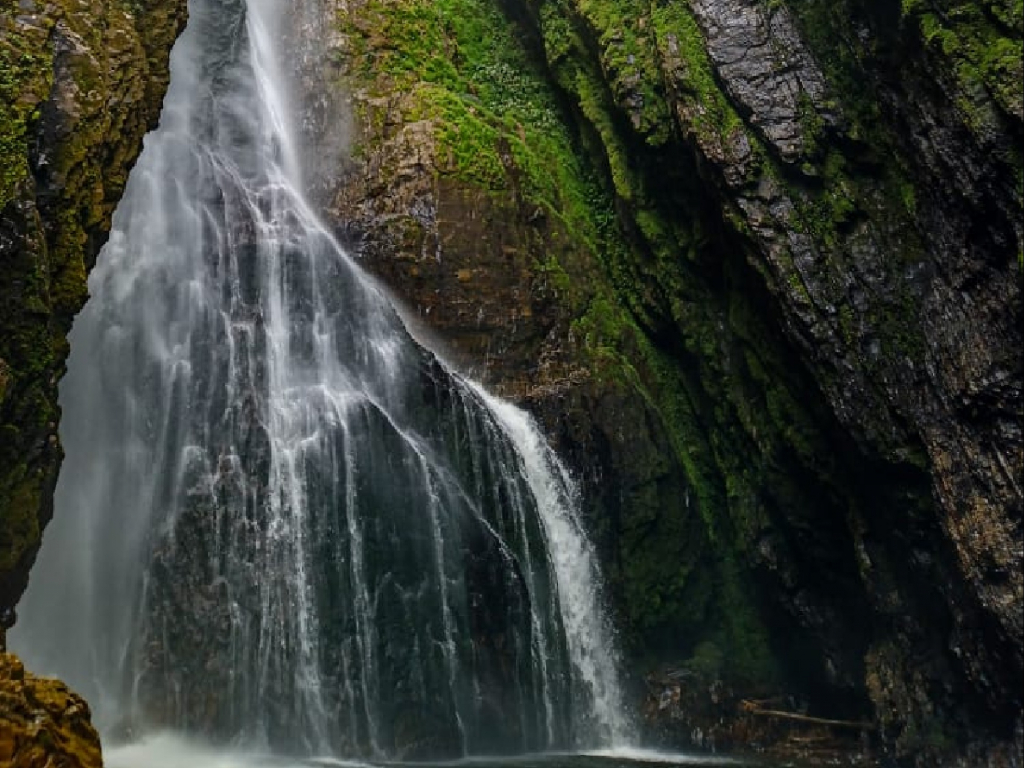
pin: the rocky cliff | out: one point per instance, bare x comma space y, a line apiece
80, 84
757, 266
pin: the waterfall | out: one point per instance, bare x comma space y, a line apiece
281, 522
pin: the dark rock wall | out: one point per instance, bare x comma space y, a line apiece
757, 268
80, 84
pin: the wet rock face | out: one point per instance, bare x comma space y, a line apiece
42, 723
693, 708
791, 382
755, 265
464, 258
80, 85
766, 70
497, 275
919, 379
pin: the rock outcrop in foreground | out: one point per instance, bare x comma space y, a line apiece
42, 723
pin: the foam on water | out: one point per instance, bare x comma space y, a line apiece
640, 755
168, 750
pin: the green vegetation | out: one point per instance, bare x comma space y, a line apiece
680, 301
501, 128
26, 75
680, 39
20, 530
982, 44
25, 349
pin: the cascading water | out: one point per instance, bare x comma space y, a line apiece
280, 520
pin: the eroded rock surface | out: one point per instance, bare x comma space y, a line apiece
756, 266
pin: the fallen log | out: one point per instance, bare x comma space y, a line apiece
753, 708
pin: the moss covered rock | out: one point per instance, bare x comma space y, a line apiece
757, 268
755, 265
42, 723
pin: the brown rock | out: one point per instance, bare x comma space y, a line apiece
43, 724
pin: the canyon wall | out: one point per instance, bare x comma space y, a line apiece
756, 266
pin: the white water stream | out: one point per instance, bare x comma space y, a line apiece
281, 523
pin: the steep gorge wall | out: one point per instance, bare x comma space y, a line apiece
80, 84
757, 267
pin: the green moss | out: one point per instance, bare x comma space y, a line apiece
496, 120
26, 75
710, 111
628, 57
707, 660
117, 71
743, 631
982, 43
979, 45
674, 590
679, 575
554, 276
19, 516
639, 259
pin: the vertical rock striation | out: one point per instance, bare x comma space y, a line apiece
757, 266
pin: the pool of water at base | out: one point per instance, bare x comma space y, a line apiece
171, 751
